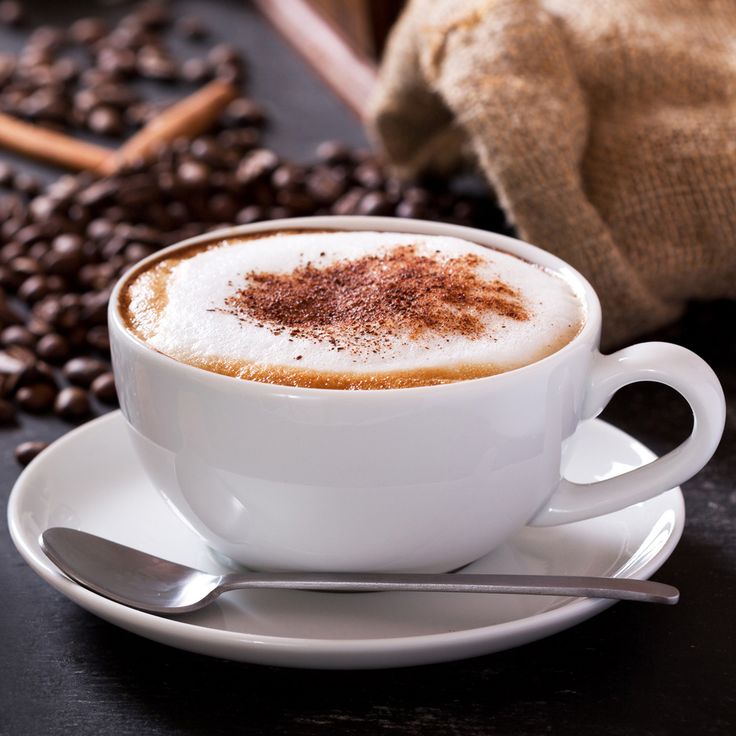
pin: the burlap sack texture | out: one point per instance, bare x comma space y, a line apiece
607, 128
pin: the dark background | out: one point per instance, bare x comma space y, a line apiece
634, 669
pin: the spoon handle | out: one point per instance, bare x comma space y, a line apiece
644, 591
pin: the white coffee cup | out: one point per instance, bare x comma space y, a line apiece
415, 479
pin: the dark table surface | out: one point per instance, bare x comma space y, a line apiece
634, 669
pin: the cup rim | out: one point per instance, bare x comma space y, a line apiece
582, 288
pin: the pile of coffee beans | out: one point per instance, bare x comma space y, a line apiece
85, 77
63, 246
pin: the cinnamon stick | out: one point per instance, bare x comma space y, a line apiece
48, 145
188, 118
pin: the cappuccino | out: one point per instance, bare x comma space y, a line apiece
350, 309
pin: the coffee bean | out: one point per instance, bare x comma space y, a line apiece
333, 152
99, 338
105, 120
7, 413
88, 31
243, 112
348, 204
374, 203
249, 214
53, 348
103, 388
196, 70
82, 371
325, 185
72, 403
37, 398
407, 208
192, 173
152, 63
33, 289
256, 164
369, 175
27, 451
17, 335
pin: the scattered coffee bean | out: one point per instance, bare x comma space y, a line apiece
27, 451
105, 120
82, 371
72, 403
53, 348
17, 335
37, 398
88, 31
103, 388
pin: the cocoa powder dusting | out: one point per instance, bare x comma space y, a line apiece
365, 303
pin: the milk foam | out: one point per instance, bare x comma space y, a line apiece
190, 325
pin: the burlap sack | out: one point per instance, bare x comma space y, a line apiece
607, 128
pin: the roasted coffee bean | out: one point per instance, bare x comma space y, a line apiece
326, 185
53, 348
103, 388
348, 204
36, 398
7, 413
26, 183
17, 335
82, 371
135, 252
374, 203
333, 152
27, 451
38, 250
192, 174
62, 264
105, 120
407, 208
256, 164
25, 266
196, 70
152, 63
99, 338
9, 314
249, 214
33, 289
72, 403
10, 251
88, 31
369, 175
243, 112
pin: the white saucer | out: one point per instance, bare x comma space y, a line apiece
91, 480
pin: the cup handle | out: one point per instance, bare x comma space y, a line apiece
660, 362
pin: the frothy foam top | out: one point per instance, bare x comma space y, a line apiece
351, 304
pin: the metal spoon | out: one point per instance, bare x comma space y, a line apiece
142, 581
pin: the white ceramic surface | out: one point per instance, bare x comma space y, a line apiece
410, 479
92, 480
